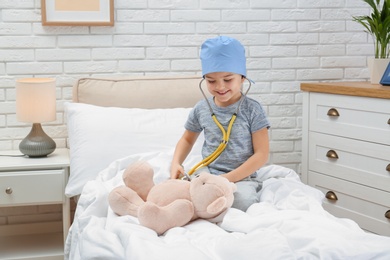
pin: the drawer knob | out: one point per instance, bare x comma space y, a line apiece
8, 190
333, 112
330, 195
387, 214
332, 154
388, 167
388, 121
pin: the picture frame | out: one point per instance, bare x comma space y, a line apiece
77, 13
385, 80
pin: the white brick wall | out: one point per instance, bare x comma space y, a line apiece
287, 42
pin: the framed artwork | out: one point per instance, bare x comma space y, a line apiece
386, 77
77, 12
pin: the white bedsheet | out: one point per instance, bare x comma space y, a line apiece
288, 223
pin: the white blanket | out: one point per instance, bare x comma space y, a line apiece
288, 223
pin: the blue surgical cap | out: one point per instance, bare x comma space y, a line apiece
223, 54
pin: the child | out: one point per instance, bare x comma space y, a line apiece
224, 70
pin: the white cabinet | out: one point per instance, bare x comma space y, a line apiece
346, 150
34, 181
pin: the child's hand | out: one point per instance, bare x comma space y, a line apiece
177, 170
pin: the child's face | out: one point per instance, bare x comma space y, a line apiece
225, 87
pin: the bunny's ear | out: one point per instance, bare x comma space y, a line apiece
217, 206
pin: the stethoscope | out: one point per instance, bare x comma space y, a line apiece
225, 133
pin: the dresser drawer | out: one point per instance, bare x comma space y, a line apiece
364, 205
349, 159
356, 117
29, 187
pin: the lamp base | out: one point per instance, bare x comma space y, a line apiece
37, 143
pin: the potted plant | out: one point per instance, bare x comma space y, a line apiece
377, 24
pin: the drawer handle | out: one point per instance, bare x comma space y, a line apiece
387, 214
333, 112
332, 154
388, 121
388, 167
8, 190
330, 195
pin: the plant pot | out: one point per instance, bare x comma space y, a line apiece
377, 68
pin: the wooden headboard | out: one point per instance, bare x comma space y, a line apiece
139, 92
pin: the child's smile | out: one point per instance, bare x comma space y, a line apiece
222, 93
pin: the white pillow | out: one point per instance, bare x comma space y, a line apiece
100, 135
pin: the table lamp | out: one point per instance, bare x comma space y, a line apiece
36, 103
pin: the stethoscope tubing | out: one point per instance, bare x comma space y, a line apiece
225, 133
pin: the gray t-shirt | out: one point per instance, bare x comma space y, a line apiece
250, 118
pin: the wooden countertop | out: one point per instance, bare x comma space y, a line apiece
350, 88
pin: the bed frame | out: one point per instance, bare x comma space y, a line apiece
130, 92
289, 224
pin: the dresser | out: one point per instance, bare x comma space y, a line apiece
28, 181
346, 150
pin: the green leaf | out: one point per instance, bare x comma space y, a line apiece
377, 24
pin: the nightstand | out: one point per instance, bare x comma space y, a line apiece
34, 181
346, 150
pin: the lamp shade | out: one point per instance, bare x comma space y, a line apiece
36, 100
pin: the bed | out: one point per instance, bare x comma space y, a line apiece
115, 122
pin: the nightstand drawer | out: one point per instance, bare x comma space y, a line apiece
365, 205
361, 162
352, 117
31, 187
